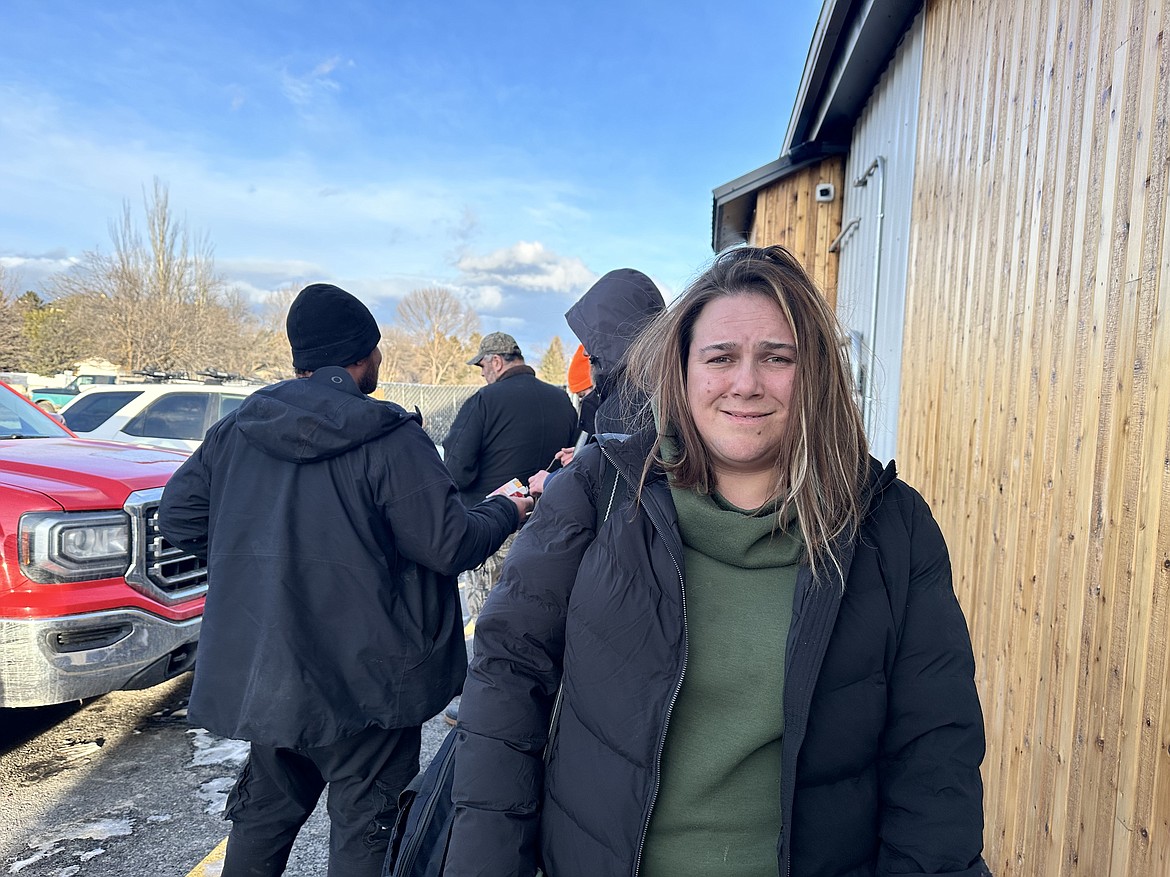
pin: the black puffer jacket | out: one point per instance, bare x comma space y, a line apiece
333, 535
883, 729
607, 319
509, 429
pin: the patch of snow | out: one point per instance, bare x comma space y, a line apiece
215, 793
210, 749
100, 829
43, 851
182, 713
92, 854
160, 817
68, 871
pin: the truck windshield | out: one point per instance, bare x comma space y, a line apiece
19, 418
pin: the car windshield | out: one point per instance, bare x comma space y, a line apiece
19, 419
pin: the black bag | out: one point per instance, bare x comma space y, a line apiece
418, 846
422, 831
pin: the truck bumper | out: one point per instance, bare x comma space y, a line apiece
53, 660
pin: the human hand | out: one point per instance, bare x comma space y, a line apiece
524, 506
565, 455
536, 482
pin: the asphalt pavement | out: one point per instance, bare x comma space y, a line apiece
124, 786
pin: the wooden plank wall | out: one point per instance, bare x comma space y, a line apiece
788, 213
1035, 412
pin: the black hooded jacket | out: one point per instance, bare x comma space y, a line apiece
333, 535
883, 733
607, 319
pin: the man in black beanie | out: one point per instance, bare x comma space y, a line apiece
332, 629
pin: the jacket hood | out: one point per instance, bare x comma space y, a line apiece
309, 419
610, 315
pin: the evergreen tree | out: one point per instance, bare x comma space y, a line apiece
554, 367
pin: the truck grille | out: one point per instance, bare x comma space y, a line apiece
168, 567
159, 569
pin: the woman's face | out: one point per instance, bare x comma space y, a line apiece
740, 375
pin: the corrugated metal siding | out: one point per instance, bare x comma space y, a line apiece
886, 132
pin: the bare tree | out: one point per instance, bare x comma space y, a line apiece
398, 356
157, 302
553, 367
271, 356
442, 331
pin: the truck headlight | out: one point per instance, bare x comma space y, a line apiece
73, 546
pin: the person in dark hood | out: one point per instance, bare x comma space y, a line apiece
606, 320
332, 630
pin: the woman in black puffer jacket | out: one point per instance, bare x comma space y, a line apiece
761, 662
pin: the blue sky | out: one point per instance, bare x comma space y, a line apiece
509, 151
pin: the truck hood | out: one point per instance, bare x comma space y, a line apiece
84, 475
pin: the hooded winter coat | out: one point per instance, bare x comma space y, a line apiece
333, 534
607, 319
883, 730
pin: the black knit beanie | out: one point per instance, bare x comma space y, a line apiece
328, 326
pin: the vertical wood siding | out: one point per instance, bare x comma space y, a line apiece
1035, 411
788, 213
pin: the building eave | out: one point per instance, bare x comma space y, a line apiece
851, 46
736, 201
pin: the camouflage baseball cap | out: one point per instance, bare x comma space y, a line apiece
497, 342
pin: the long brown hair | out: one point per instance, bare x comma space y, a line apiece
821, 465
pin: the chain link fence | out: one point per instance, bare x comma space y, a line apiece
438, 404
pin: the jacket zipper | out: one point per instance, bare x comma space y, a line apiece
673, 698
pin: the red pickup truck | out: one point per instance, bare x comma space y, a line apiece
92, 598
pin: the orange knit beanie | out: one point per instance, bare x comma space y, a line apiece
579, 379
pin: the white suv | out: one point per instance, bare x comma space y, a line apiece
162, 415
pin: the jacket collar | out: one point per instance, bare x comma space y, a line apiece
515, 370
337, 378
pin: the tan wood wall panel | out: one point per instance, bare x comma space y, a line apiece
1035, 411
788, 214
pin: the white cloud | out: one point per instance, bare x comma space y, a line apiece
528, 266
485, 298
326, 67
269, 272
303, 89
31, 271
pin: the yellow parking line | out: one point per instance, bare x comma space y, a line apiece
469, 628
212, 866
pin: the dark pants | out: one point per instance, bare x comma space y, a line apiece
278, 790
